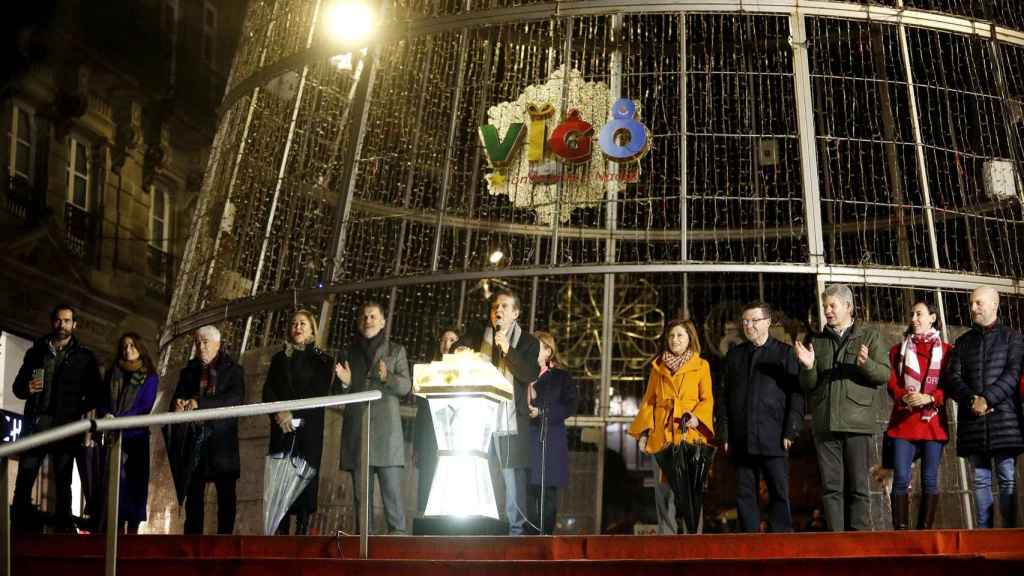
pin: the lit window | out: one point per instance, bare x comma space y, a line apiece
78, 173
22, 149
209, 34
158, 219
169, 27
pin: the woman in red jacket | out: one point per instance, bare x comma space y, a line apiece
917, 427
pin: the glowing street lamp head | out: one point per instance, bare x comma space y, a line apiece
496, 256
350, 22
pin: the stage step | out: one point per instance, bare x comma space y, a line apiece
950, 552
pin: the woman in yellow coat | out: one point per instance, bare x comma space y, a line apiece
678, 408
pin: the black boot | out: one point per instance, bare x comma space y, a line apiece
926, 515
301, 524
1008, 509
285, 526
900, 511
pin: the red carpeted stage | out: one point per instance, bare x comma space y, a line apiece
954, 552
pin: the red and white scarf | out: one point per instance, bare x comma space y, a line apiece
674, 361
913, 379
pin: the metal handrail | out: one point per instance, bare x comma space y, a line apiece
116, 425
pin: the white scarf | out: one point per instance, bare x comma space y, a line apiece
916, 380
487, 347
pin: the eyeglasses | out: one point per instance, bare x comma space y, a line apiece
752, 321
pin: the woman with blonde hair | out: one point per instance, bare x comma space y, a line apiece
552, 399
299, 371
674, 422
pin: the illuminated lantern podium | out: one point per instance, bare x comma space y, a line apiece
470, 401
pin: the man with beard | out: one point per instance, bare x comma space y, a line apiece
372, 362
514, 351
983, 376
60, 381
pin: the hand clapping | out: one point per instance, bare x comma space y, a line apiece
344, 373
805, 354
862, 357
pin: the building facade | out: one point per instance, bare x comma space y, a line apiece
107, 115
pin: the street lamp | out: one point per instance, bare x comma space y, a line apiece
350, 23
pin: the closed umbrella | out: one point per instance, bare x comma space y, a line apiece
700, 458
92, 469
185, 445
285, 476
686, 467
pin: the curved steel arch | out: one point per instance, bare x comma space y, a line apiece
536, 12
888, 277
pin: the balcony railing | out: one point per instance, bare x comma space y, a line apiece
161, 274
79, 232
21, 199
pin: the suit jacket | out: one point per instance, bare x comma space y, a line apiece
387, 444
762, 398
522, 362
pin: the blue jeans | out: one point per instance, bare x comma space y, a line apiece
983, 483
903, 454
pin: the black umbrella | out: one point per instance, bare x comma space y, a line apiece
185, 444
92, 469
686, 467
669, 460
700, 458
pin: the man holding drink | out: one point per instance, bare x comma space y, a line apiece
60, 381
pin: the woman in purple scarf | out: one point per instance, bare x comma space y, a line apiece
133, 383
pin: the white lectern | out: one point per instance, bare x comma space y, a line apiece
469, 400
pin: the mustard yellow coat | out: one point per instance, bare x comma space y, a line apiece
668, 398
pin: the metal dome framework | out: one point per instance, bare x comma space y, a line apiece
796, 144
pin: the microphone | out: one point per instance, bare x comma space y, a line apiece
494, 337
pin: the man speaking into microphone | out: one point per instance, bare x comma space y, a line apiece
514, 352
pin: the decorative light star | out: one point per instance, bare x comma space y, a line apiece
576, 323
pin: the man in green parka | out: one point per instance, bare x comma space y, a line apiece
841, 371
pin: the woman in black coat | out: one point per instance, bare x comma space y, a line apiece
299, 371
552, 399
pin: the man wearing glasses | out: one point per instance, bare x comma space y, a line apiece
763, 416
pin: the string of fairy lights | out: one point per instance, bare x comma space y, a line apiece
715, 92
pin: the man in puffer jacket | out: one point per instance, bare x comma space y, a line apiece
982, 376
